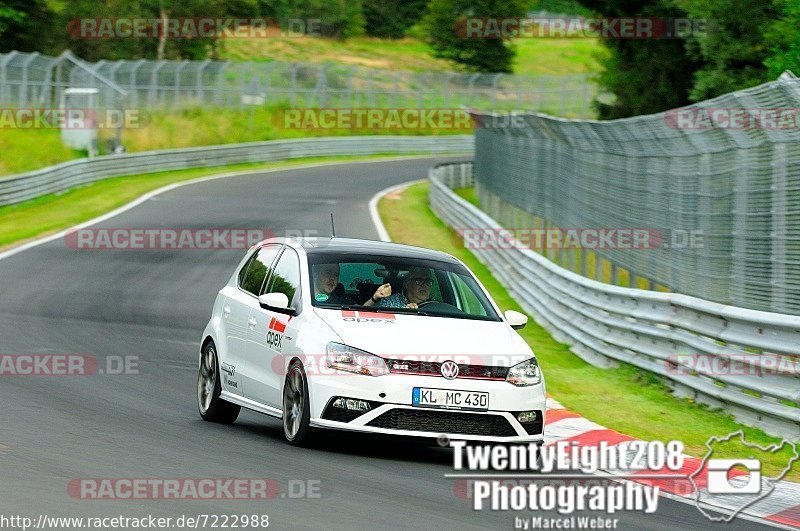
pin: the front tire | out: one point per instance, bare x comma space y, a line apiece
212, 407
296, 408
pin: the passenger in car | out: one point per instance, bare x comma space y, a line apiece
416, 289
327, 288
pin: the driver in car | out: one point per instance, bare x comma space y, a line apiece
416, 289
326, 282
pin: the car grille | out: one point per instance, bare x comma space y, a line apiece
433, 368
444, 422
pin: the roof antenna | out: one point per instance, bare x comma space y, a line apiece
333, 227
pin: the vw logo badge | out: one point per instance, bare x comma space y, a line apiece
449, 370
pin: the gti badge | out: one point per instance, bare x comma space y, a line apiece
449, 370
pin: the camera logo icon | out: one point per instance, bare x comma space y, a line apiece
720, 481
743, 477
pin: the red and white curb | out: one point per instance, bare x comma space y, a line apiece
781, 508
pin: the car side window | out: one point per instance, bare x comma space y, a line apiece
286, 277
253, 274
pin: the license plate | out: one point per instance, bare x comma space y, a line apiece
446, 398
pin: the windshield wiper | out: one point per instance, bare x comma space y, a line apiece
416, 311
379, 309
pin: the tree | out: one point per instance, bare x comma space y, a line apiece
736, 44
24, 26
444, 23
644, 75
157, 45
339, 19
783, 34
390, 19
734, 47
8, 17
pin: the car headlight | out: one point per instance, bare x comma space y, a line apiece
525, 373
351, 359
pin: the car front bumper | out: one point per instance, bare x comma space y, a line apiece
392, 412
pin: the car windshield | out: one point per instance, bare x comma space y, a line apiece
389, 284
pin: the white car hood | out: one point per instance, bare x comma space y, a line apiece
393, 335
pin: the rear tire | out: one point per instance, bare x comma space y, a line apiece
296, 408
212, 407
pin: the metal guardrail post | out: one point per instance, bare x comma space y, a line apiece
220, 95
293, 77
780, 228
23, 89
152, 96
4, 86
177, 74
198, 82
134, 86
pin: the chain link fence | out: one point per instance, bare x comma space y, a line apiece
742, 361
34, 80
727, 169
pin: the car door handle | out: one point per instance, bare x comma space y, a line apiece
226, 311
251, 322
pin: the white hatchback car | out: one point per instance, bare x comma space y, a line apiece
368, 336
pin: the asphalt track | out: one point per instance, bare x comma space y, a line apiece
154, 305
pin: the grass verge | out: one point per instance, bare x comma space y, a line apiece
55, 212
625, 399
542, 56
370, 52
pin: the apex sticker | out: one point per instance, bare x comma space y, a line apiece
367, 317
275, 333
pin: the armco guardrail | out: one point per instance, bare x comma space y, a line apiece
22, 187
750, 359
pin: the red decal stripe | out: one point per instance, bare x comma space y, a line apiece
376, 315
276, 325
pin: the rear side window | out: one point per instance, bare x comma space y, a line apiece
286, 277
253, 274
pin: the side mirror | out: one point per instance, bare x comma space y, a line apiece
276, 302
515, 319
